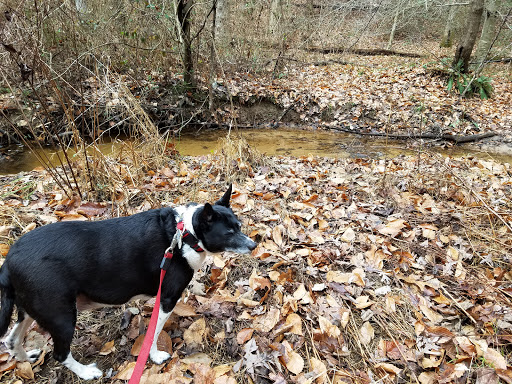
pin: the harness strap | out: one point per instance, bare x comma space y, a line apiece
188, 238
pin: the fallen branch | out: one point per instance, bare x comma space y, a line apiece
503, 60
457, 139
329, 62
458, 305
317, 63
364, 52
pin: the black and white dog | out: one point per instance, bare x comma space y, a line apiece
56, 270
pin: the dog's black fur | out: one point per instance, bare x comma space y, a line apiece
106, 262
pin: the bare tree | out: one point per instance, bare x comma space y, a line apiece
183, 15
447, 39
488, 31
213, 57
222, 21
276, 13
81, 6
467, 42
393, 28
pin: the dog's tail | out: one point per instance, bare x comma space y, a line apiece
7, 300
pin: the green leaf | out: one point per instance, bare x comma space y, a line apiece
450, 84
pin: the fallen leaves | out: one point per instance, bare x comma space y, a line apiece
267, 322
194, 334
108, 348
24, 370
244, 335
367, 333
355, 278
164, 343
378, 98
291, 359
4, 249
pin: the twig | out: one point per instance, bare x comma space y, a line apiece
458, 305
10, 137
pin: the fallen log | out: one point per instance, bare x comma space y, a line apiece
363, 52
457, 139
502, 60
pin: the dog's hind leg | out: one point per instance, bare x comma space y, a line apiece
61, 325
15, 339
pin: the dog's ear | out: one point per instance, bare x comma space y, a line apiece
224, 200
207, 213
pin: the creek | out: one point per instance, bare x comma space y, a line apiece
274, 142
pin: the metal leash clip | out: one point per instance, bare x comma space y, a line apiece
179, 238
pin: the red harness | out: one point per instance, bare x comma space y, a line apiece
190, 239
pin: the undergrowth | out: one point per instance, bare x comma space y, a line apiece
467, 84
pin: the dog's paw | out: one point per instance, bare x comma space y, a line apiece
33, 355
158, 357
89, 372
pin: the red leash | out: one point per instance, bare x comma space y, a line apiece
150, 334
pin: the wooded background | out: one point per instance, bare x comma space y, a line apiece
202, 38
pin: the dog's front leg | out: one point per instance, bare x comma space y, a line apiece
157, 356
177, 279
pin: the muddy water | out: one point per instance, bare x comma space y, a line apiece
272, 142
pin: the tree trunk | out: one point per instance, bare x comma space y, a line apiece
447, 39
393, 29
276, 12
81, 6
488, 31
183, 14
467, 42
222, 20
211, 104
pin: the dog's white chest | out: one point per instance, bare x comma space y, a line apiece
194, 259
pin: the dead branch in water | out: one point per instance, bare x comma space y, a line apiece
457, 139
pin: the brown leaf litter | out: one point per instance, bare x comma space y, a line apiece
366, 270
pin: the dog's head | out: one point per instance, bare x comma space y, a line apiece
219, 229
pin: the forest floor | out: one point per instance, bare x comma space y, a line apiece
367, 270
